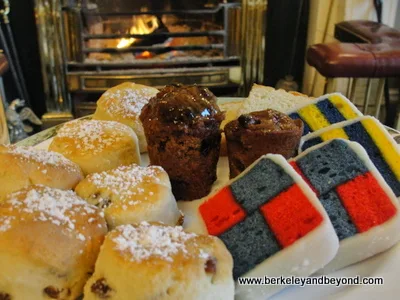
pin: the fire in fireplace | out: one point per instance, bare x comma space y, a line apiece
157, 36
104, 47
145, 24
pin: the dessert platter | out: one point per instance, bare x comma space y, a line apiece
174, 194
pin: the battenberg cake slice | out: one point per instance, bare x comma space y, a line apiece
272, 223
324, 111
382, 149
362, 208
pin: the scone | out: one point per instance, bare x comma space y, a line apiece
362, 207
97, 146
182, 130
131, 194
255, 134
123, 103
161, 262
382, 149
272, 223
23, 166
49, 242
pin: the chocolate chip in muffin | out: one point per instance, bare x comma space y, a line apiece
5, 296
246, 120
101, 289
178, 186
208, 144
180, 104
161, 146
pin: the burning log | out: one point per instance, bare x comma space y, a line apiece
144, 25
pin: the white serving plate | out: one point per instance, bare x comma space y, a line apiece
386, 264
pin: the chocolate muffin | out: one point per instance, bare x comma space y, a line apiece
255, 134
181, 124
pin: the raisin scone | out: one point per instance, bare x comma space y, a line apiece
161, 262
123, 103
49, 242
131, 194
97, 146
24, 166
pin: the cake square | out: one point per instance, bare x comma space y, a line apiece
369, 133
290, 215
285, 231
376, 208
322, 174
324, 111
221, 212
267, 178
259, 244
339, 216
362, 207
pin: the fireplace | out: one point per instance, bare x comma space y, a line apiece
98, 44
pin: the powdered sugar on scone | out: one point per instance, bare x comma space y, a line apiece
125, 181
41, 156
93, 135
5, 222
62, 208
147, 241
128, 102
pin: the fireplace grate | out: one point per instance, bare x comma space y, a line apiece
78, 38
94, 61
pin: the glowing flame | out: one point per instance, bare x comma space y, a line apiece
144, 54
143, 24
